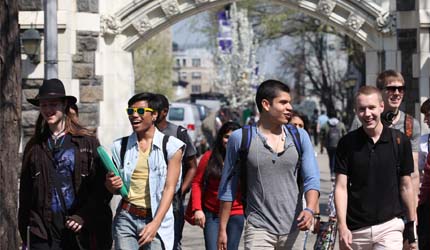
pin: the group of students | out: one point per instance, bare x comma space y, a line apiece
263, 179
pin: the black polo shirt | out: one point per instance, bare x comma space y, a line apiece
373, 181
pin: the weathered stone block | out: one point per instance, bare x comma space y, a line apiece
78, 57
90, 93
89, 119
82, 70
88, 6
30, 5
31, 83
87, 43
88, 107
29, 118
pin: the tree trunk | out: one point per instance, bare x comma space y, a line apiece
10, 122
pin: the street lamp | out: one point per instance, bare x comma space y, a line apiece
31, 43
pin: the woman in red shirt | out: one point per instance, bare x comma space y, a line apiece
205, 203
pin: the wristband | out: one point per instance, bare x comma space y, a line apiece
309, 210
410, 232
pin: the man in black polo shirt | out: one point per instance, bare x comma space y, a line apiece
372, 182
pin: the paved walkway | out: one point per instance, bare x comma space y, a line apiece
193, 235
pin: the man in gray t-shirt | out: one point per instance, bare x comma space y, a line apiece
392, 86
274, 210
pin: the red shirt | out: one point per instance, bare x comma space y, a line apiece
425, 185
210, 202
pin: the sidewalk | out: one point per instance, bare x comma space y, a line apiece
193, 235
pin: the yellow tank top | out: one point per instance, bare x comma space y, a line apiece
138, 194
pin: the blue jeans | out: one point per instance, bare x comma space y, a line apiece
178, 213
126, 229
234, 231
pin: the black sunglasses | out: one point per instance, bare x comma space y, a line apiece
140, 111
394, 88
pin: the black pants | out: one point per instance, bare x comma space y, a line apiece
68, 242
423, 211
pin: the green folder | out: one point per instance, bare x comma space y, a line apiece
108, 164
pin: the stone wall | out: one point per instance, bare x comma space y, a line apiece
30, 88
90, 85
30, 5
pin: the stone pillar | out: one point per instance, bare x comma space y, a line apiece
423, 57
116, 66
373, 65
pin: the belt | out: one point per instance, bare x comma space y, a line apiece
134, 210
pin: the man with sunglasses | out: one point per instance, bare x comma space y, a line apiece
392, 86
189, 163
150, 168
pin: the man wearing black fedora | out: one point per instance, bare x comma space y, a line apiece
63, 203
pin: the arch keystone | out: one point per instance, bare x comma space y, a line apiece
354, 22
386, 23
109, 25
326, 7
142, 25
170, 7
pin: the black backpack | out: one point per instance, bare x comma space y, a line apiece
243, 156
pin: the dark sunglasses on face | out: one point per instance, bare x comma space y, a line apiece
226, 136
140, 111
394, 88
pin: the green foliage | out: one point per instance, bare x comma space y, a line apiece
153, 63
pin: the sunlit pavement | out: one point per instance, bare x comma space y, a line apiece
193, 235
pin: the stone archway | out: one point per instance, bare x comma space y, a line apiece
133, 22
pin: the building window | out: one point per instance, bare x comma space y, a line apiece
196, 88
405, 5
184, 62
184, 75
196, 75
196, 62
178, 62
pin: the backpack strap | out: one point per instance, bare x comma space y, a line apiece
298, 143
397, 149
165, 140
242, 161
409, 125
124, 142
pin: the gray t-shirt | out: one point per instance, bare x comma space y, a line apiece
400, 125
273, 207
172, 130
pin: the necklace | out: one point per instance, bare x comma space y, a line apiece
56, 136
56, 144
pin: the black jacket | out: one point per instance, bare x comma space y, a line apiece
92, 198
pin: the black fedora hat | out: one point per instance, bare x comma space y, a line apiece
51, 89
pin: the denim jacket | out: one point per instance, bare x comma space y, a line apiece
157, 175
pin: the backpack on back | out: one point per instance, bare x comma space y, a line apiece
333, 136
241, 163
